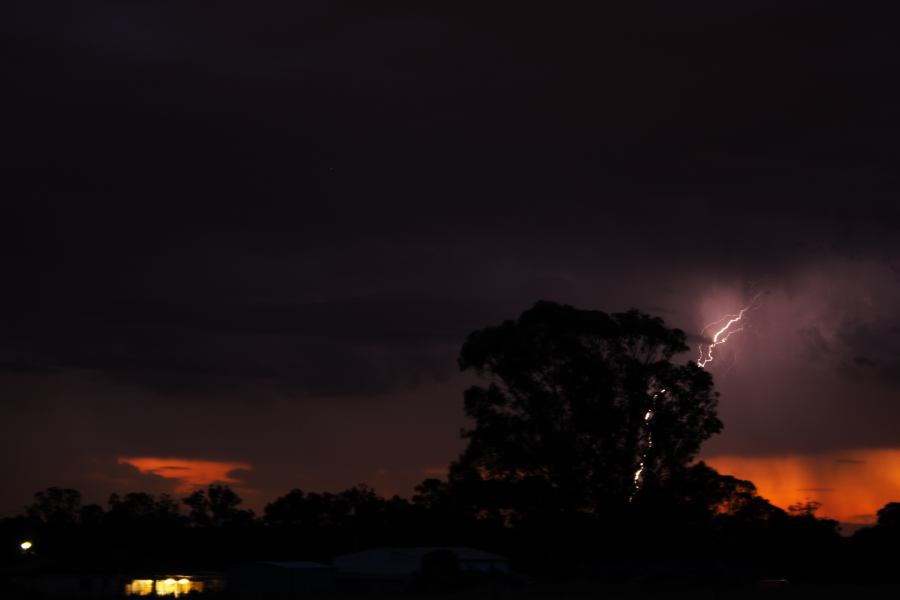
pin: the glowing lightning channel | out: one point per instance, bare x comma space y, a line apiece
723, 333
648, 416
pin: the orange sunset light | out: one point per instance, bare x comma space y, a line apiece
189, 473
851, 485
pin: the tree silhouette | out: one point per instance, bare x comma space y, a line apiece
806, 508
217, 506
55, 506
138, 506
889, 516
560, 423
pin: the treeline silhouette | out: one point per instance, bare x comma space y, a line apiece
716, 527
581, 462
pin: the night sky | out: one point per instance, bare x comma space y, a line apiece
244, 241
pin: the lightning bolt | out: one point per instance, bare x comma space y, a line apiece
648, 443
725, 327
730, 327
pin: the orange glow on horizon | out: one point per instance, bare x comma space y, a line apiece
189, 473
850, 485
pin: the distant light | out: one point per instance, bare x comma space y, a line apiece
163, 587
26, 545
139, 587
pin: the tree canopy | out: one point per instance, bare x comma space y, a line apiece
573, 402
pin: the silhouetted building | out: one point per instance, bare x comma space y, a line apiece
402, 564
280, 578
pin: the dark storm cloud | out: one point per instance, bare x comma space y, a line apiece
873, 349
310, 200
161, 159
328, 101
348, 346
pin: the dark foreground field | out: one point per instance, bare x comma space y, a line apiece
574, 592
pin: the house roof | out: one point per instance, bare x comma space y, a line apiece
463, 553
297, 564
